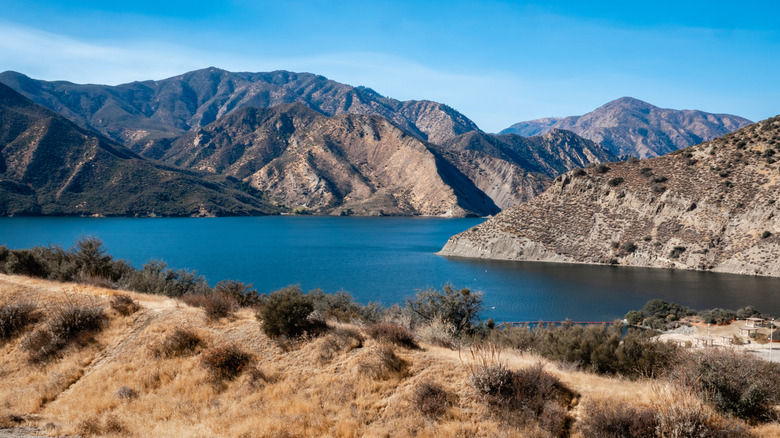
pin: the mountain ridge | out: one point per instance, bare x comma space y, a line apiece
629, 126
170, 107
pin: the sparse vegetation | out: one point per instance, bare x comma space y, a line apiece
65, 325
614, 182
124, 305
14, 318
225, 362
431, 399
676, 252
392, 333
180, 343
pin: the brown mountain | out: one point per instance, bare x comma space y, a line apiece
629, 126
512, 169
346, 164
153, 109
50, 166
709, 207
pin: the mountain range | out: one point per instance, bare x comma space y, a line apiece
284, 141
49, 166
712, 206
130, 113
629, 126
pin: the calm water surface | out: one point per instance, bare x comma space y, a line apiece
388, 259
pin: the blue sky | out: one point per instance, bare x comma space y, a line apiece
498, 62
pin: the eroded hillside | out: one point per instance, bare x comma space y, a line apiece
709, 207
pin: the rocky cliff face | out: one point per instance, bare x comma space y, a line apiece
709, 207
347, 164
628, 126
512, 169
50, 166
137, 111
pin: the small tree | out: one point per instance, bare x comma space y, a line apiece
460, 308
91, 258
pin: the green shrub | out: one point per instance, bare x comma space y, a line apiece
717, 316
225, 362
286, 313
614, 182
460, 308
766, 234
635, 317
661, 309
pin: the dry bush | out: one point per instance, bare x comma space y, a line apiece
242, 294
432, 400
679, 414
124, 305
94, 426
126, 393
392, 333
182, 342
384, 364
732, 382
216, 305
616, 419
517, 396
438, 332
225, 362
340, 339
68, 324
14, 318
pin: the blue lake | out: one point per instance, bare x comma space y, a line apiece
386, 260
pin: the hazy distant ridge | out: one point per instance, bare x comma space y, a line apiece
629, 126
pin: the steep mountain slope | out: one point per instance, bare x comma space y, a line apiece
709, 207
629, 126
511, 169
50, 166
346, 164
166, 108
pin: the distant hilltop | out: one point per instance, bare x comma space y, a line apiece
629, 126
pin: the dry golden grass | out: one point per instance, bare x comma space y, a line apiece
298, 392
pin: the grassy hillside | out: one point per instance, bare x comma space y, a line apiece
136, 376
